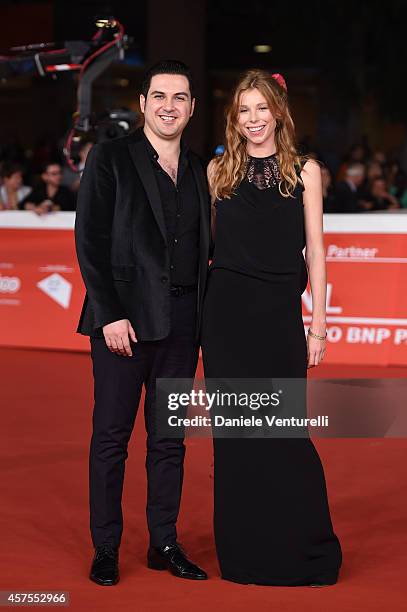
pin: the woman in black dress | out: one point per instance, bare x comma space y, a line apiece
272, 522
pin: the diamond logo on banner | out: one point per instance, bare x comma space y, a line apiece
57, 288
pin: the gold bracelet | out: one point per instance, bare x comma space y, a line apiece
311, 333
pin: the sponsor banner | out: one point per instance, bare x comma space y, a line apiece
366, 298
41, 290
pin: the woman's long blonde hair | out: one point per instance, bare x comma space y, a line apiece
227, 170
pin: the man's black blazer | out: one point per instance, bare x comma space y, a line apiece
346, 200
121, 239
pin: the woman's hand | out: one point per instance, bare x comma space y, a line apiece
316, 350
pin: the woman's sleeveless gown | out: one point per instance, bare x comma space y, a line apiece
271, 515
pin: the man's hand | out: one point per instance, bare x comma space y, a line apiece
117, 337
43, 208
37, 209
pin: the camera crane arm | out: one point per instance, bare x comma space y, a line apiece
91, 59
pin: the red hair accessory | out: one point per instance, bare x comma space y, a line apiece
280, 80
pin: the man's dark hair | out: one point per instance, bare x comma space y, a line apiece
167, 67
10, 168
44, 167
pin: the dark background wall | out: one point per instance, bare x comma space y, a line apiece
343, 63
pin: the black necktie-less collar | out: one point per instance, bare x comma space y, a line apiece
183, 158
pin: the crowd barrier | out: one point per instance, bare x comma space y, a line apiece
41, 289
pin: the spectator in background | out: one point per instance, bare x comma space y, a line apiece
374, 170
71, 178
380, 158
50, 195
327, 190
347, 196
12, 191
379, 197
397, 183
357, 154
84, 149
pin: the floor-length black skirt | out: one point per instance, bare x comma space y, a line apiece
271, 516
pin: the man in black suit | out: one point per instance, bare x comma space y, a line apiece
347, 198
142, 238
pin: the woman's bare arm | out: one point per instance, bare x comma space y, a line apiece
315, 256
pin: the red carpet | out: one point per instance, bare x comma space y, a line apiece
46, 425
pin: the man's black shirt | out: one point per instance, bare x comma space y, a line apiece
180, 204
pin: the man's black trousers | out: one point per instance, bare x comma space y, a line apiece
118, 386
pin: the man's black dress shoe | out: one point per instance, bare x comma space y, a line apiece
173, 558
105, 565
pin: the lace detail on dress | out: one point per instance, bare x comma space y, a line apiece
263, 172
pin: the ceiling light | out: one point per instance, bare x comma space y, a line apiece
262, 48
